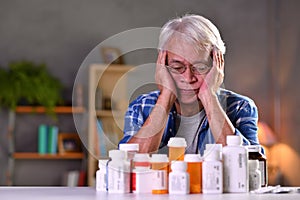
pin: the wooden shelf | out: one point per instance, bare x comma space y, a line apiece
107, 113
35, 155
41, 109
114, 68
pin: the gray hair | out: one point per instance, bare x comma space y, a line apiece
195, 29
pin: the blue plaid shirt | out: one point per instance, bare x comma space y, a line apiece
241, 111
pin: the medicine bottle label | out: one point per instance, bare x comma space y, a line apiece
178, 183
254, 181
160, 178
212, 177
100, 181
118, 180
262, 168
235, 172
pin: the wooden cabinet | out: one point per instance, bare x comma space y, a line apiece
28, 167
109, 85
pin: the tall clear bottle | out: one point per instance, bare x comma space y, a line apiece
235, 166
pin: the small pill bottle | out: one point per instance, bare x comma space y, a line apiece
255, 153
101, 176
194, 168
254, 175
179, 179
177, 147
141, 173
160, 170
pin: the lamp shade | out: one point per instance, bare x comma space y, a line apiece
266, 135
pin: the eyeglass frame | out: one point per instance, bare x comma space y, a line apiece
193, 68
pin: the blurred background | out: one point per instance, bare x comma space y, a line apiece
262, 40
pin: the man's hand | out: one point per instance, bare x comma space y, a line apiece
219, 122
163, 78
215, 76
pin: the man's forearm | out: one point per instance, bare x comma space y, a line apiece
219, 122
150, 135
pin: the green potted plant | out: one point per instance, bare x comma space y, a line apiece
31, 83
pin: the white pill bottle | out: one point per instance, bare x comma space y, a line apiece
118, 173
179, 179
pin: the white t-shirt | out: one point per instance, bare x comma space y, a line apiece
188, 128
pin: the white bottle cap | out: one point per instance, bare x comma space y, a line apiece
211, 155
116, 154
177, 142
141, 157
192, 158
254, 148
158, 158
178, 165
129, 147
253, 164
234, 140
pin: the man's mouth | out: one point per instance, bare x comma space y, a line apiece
189, 91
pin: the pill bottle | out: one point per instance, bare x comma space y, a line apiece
217, 147
101, 176
194, 168
160, 170
179, 179
141, 174
130, 150
118, 173
235, 166
212, 172
177, 147
255, 153
254, 175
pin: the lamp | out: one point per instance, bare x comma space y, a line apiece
268, 140
266, 135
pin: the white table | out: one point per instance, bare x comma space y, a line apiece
88, 193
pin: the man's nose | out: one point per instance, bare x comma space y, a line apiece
188, 75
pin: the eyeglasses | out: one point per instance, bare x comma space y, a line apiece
179, 68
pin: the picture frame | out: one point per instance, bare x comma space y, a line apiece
68, 143
111, 55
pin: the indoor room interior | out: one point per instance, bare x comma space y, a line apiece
75, 39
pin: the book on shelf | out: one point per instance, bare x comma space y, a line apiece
47, 139
74, 178
52, 139
42, 139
